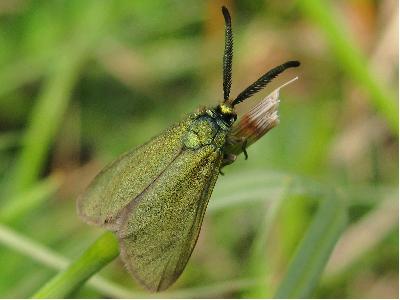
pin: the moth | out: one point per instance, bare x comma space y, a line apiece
154, 197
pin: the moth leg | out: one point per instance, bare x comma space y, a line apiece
233, 140
227, 160
244, 146
237, 144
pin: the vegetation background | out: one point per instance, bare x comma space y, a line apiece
313, 212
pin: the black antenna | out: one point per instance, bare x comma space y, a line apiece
228, 54
264, 80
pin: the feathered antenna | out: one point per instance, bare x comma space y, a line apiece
228, 54
261, 82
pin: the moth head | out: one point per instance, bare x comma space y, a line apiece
226, 111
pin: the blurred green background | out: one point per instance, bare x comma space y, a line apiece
313, 212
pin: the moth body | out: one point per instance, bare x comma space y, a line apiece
154, 197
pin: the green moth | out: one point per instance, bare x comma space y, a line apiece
154, 197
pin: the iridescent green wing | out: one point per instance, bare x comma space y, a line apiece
160, 227
128, 176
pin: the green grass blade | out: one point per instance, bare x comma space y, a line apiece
259, 263
99, 254
55, 261
36, 251
26, 201
52, 102
45, 119
209, 291
9, 139
363, 237
352, 60
17, 74
314, 250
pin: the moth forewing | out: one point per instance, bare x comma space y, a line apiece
128, 176
256, 122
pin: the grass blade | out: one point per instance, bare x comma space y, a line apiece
314, 250
53, 260
209, 291
45, 119
26, 201
363, 236
53, 100
9, 139
352, 60
259, 259
99, 254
